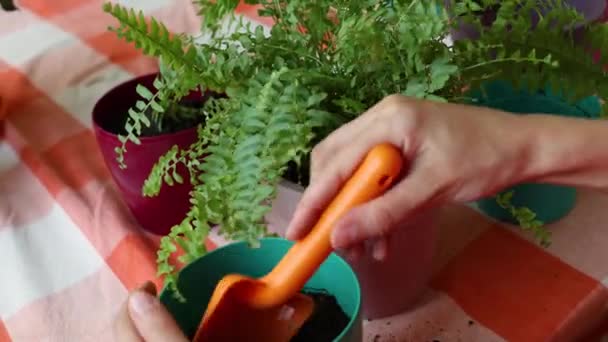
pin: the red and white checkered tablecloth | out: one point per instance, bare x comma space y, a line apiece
70, 251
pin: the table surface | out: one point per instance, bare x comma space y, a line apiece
71, 251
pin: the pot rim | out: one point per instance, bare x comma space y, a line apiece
356, 312
116, 91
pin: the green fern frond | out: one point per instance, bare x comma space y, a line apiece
153, 38
554, 57
178, 53
190, 236
214, 11
526, 218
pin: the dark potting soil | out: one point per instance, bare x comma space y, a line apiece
327, 321
299, 175
116, 124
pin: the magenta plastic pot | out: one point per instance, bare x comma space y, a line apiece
155, 214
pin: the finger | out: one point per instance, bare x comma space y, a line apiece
124, 329
312, 204
309, 209
326, 149
380, 248
341, 137
355, 253
329, 181
152, 320
378, 218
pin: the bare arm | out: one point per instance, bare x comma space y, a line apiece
567, 151
457, 154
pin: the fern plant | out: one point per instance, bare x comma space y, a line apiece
321, 65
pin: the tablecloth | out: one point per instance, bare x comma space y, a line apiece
70, 250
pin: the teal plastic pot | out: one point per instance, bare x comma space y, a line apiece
549, 202
198, 280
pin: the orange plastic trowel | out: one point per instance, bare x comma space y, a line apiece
271, 308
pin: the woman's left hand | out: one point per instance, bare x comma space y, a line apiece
143, 318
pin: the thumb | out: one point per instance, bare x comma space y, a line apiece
377, 219
152, 320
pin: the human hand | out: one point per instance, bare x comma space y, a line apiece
455, 153
143, 318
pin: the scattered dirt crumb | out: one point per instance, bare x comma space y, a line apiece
471, 323
388, 323
376, 338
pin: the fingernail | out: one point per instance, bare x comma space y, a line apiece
286, 313
141, 303
378, 254
339, 238
149, 287
379, 251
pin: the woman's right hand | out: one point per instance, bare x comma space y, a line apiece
456, 153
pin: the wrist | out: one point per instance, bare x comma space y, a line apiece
562, 150
525, 140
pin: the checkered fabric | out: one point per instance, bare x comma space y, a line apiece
70, 251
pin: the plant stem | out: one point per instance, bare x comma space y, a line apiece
502, 60
293, 51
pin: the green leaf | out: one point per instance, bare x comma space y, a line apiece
156, 107
167, 178
141, 105
177, 177
416, 88
315, 99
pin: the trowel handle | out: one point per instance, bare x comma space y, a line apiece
376, 173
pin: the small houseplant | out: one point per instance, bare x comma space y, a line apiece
324, 63
113, 121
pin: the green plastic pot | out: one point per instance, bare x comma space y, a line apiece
198, 280
549, 202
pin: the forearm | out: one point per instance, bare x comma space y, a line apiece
566, 151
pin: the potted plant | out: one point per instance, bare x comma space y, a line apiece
334, 282
148, 135
320, 66
531, 205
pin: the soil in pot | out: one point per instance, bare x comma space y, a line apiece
179, 116
298, 174
327, 321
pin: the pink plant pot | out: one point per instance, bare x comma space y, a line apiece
155, 214
388, 287
392, 286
